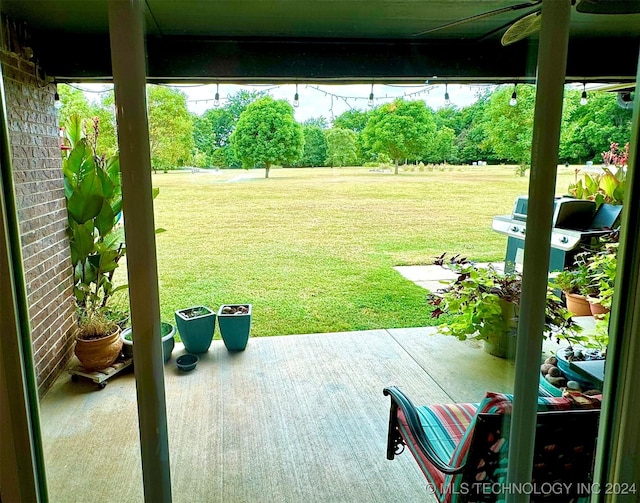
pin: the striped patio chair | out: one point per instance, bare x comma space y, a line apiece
461, 448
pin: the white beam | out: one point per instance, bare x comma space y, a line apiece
128, 61
552, 62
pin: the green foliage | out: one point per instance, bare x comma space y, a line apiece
588, 130
605, 187
315, 147
484, 301
402, 130
355, 120
320, 122
341, 147
267, 134
509, 129
170, 128
73, 102
212, 130
94, 202
443, 147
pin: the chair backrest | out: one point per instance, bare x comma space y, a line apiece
563, 457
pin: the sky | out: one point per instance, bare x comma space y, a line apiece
328, 101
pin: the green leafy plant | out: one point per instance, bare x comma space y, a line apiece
603, 267
575, 279
481, 297
608, 186
94, 204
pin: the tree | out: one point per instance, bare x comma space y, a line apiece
170, 127
355, 120
213, 129
443, 147
509, 129
588, 130
315, 147
341, 146
73, 102
401, 130
106, 113
320, 122
267, 134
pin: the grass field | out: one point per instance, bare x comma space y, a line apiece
313, 249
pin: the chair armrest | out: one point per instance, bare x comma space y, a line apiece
422, 441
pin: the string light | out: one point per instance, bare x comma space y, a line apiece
56, 100
296, 98
447, 100
514, 96
216, 99
583, 98
370, 102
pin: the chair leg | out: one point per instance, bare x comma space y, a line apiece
395, 444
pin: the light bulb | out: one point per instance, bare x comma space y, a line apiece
56, 101
447, 100
583, 98
216, 98
370, 102
296, 98
514, 97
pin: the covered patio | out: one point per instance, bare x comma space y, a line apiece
292, 418
230, 424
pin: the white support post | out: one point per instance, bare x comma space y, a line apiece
126, 32
552, 61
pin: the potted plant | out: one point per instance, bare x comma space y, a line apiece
196, 326
98, 341
167, 332
234, 321
486, 302
574, 283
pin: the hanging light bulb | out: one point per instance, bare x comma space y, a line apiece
447, 101
216, 99
514, 97
296, 98
370, 102
583, 98
56, 100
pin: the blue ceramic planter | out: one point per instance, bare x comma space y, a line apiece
234, 321
168, 341
196, 325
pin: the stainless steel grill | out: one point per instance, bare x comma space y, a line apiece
575, 222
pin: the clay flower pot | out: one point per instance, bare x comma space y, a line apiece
97, 354
577, 304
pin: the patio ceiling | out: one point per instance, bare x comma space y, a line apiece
321, 40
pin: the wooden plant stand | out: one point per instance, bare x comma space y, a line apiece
101, 376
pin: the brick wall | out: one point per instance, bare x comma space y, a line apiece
42, 214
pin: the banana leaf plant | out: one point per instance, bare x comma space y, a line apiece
94, 205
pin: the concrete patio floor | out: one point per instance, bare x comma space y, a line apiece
297, 418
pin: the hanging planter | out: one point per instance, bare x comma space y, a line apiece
168, 332
234, 321
196, 325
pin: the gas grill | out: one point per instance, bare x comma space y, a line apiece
575, 223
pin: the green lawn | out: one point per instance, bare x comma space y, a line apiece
313, 249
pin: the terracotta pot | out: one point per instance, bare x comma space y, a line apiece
577, 304
597, 309
100, 353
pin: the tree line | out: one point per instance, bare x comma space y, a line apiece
252, 129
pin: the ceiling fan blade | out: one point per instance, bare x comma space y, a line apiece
522, 28
608, 6
481, 16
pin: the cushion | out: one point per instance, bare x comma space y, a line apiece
500, 403
444, 425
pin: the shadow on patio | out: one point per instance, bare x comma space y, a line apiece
292, 418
